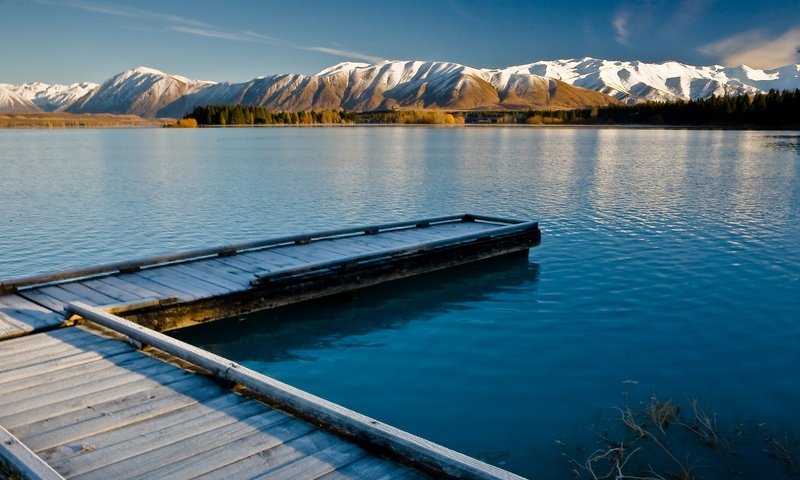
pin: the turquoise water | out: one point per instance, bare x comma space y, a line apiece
669, 263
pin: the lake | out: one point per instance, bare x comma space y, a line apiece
669, 266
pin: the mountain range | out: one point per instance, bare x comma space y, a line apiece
558, 84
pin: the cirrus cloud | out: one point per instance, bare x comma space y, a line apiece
756, 49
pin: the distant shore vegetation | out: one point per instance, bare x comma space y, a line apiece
764, 110
74, 120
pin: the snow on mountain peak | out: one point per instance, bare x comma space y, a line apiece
341, 68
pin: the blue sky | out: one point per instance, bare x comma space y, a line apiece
62, 41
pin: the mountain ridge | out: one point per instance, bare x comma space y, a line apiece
556, 84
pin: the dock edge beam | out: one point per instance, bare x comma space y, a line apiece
17, 459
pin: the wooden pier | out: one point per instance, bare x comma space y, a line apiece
110, 398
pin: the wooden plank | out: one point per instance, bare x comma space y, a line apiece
63, 296
160, 462
179, 281
114, 292
151, 434
318, 464
342, 249
42, 299
219, 279
23, 310
336, 417
28, 359
58, 364
270, 459
217, 267
161, 289
376, 242
18, 458
121, 282
9, 330
369, 467
77, 397
228, 447
238, 261
50, 377
89, 380
310, 253
119, 412
41, 340
270, 260
96, 298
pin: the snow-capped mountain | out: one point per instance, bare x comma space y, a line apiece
53, 98
12, 102
556, 84
633, 82
141, 91
394, 84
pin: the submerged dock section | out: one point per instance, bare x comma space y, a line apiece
88, 394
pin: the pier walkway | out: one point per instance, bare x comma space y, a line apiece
87, 394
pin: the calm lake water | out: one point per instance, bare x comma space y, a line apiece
669, 264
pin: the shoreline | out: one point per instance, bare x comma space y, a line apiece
60, 121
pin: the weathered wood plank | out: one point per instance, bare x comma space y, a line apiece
187, 450
11, 368
240, 261
310, 253
371, 468
209, 276
90, 379
42, 299
116, 413
119, 295
20, 460
180, 281
41, 340
344, 421
58, 364
135, 290
318, 463
87, 368
63, 296
234, 275
156, 286
242, 441
9, 330
27, 312
151, 434
342, 249
96, 298
271, 260
75, 398
275, 457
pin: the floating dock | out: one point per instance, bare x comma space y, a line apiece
111, 397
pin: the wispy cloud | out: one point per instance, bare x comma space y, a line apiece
339, 52
757, 49
123, 11
621, 24
198, 28
233, 36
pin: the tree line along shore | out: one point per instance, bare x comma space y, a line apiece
772, 110
764, 110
